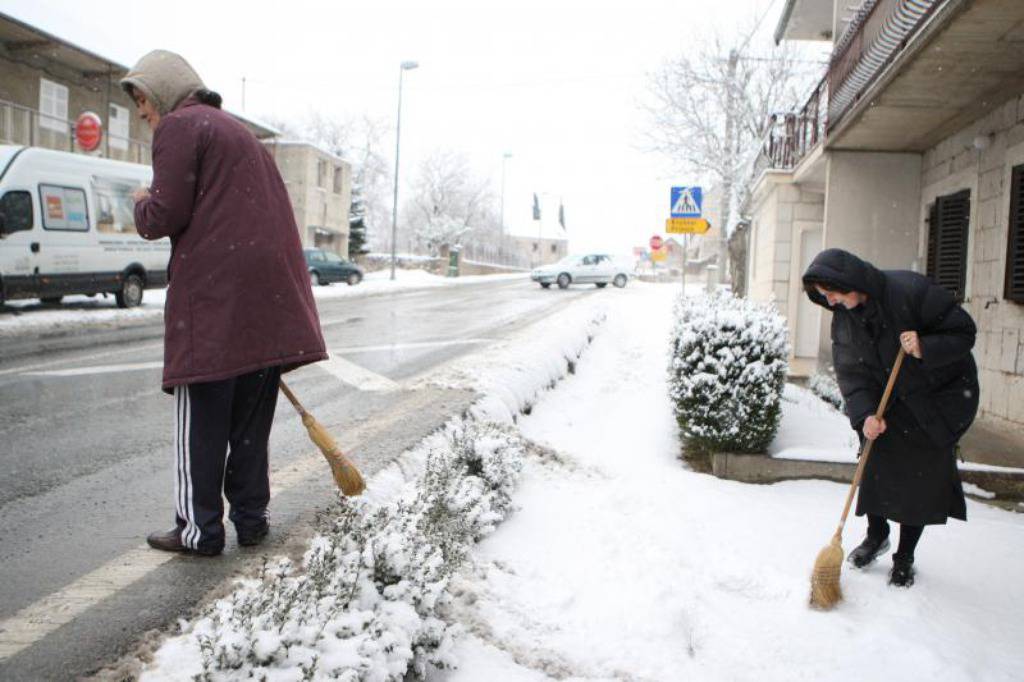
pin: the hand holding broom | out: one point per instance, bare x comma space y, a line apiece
346, 476
825, 590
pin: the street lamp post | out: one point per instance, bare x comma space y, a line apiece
405, 66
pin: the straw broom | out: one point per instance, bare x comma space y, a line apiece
346, 476
825, 590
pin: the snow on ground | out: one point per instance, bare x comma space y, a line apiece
623, 564
811, 429
30, 316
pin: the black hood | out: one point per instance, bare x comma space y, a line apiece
836, 268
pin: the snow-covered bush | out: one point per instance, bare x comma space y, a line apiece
825, 387
726, 372
365, 602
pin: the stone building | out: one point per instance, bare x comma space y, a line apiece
910, 153
320, 187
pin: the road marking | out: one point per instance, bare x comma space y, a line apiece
36, 621
410, 346
354, 375
128, 349
98, 369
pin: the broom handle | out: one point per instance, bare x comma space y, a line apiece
291, 398
868, 442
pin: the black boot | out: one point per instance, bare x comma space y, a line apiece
867, 551
902, 573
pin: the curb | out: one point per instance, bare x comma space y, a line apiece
762, 469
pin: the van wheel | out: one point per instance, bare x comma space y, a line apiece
51, 300
130, 295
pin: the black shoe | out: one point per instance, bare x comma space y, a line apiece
250, 537
867, 551
170, 541
902, 573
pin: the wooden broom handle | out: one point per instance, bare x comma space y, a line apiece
868, 442
291, 397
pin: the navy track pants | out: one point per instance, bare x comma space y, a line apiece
222, 429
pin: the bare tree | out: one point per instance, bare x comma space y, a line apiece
448, 203
709, 111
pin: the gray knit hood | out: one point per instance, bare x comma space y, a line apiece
165, 78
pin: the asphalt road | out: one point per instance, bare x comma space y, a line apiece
86, 464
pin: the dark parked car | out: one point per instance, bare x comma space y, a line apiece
326, 267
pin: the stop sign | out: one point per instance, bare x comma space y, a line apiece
88, 131
655, 242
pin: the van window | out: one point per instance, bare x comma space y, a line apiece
63, 208
115, 209
15, 212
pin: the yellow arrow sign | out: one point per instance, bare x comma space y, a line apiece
687, 225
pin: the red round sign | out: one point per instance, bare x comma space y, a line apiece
88, 131
655, 242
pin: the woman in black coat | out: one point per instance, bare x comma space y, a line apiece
911, 477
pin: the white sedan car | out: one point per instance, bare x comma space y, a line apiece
596, 268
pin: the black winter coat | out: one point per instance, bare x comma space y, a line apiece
911, 476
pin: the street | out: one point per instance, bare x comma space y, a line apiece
87, 465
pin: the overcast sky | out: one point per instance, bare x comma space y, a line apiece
555, 83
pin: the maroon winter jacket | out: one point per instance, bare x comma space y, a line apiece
239, 298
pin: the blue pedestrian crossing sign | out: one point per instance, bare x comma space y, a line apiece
687, 202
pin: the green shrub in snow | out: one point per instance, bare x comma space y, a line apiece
726, 372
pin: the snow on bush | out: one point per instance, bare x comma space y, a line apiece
364, 603
726, 372
825, 387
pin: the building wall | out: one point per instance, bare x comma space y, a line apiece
316, 205
956, 164
540, 251
20, 85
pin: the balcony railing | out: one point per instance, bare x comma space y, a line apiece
790, 137
26, 126
879, 31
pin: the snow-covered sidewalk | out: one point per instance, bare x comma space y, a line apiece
622, 564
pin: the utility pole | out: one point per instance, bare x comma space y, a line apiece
725, 205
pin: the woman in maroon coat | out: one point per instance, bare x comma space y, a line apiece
239, 309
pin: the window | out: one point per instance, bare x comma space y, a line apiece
948, 223
554, 248
1014, 290
53, 106
321, 174
15, 212
338, 177
118, 127
63, 208
115, 208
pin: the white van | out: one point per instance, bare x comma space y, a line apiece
67, 226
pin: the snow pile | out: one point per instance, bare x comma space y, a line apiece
825, 387
726, 372
364, 604
813, 430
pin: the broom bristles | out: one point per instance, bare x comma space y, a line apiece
825, 590
346, 476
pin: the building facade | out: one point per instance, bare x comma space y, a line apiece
910, 153
320, 187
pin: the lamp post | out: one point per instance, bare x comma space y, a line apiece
405, 66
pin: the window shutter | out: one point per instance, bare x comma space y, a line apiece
1014, 290
949, 221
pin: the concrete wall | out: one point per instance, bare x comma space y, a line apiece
956, 164
315, 205
19, 84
